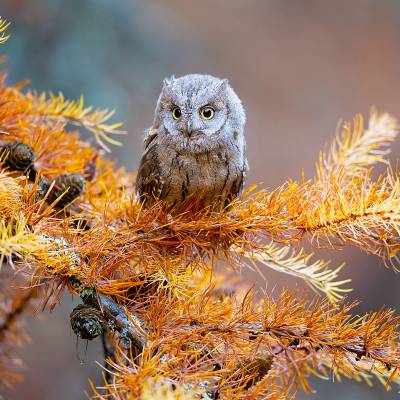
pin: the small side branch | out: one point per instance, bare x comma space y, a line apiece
113, 316
19, 306
130, 327
254, 330
108, 352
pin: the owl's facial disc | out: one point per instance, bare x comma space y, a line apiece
195, 111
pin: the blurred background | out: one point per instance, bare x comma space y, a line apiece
298, 66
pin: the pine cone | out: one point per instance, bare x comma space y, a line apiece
70, 186
86, 321
18, 156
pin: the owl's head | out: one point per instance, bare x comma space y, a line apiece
198, 110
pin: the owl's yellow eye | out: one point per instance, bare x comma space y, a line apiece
176, 113
207, 113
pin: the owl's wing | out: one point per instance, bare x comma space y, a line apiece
148, 182
149, 136
238, 183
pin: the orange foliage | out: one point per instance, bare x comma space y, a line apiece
197, 334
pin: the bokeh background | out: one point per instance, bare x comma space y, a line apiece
299, 67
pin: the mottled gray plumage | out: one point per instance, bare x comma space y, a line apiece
187, 154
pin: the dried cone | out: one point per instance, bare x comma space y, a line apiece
69, 186
42, 189
86, 321
18, 156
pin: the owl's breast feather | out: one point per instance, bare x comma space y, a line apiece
211, 173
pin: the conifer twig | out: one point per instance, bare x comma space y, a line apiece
129, 326
75, 112
3, 27
108, 354
18, 308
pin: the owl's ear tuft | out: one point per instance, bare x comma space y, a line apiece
223, 86
221, 89
168, 82
167, 86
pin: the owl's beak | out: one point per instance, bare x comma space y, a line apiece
189, 128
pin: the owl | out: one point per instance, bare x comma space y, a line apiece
195, 148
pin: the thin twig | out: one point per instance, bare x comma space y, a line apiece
108, 353
129, 327
16, 311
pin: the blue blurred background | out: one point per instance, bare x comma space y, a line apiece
299, 67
